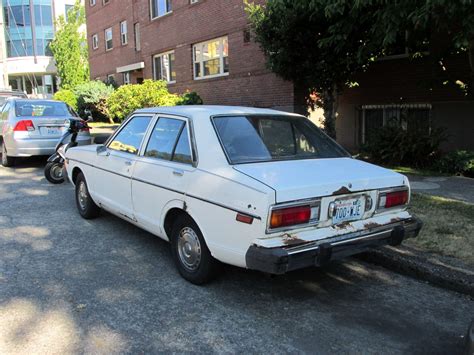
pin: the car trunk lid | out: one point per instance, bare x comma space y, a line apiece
46, 127
301, 179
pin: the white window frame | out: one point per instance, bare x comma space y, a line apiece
137, 36
193, 1
111, 38
169, 10
201, 63
123, 33
92, 2
126, 78
168, 72
95, 41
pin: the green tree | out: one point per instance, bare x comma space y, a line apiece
69, 48
66, 96
92, 96
320, 45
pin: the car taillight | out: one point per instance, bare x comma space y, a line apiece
290, 216
392, 199
24, 125
85, 127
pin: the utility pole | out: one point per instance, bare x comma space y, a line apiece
33, 29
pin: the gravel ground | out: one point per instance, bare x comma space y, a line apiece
104, 286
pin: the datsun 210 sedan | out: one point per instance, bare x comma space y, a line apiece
255, 188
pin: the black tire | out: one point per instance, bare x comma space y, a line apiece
52, 171
6, 160
201, 272
85, 205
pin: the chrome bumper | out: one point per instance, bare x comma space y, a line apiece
283, 259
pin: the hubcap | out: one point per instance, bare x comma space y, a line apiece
57, 172
82, 195
189, 249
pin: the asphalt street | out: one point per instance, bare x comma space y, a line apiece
68, 285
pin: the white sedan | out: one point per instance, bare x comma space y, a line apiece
255, 188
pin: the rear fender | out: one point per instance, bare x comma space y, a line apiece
55, 158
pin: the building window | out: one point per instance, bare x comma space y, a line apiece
123, 33
211, 58
163, 67
105, 2
108, 39
17, 22
95, 41
92, 2
409, 117
193, 1
136, 35
66, 10
159, 8
126, 78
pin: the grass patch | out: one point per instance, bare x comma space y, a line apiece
417, 172
448, 226
102, 125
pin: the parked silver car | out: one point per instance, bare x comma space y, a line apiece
33, 127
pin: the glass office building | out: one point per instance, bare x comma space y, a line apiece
18, 31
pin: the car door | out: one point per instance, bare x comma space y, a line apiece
115, 163
163, 172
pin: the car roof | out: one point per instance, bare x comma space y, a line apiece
212, 110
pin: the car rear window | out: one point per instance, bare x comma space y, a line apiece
38, 108
249, 139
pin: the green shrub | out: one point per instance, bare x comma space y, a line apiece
190, 98
66, 96
92, 96
460, 162
395, 146
128, 98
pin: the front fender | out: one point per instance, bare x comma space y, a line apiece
55, 158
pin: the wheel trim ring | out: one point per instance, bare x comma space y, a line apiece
82, 195
189, 249
56, 172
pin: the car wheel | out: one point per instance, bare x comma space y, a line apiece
54, 172
6, 160
190, 252
86, 206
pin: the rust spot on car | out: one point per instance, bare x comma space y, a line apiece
342, 191
394, 220
289, 239
371, 225
342, 225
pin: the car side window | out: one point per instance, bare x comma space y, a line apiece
5, 110
131, 136
169, 141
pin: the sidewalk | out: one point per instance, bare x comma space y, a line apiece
454, 187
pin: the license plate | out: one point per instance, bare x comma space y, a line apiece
348, 210
50, 131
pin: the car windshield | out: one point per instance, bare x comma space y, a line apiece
249, 139
39, 108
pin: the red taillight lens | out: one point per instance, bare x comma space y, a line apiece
290, 216
85, 127
392, 199
24, 125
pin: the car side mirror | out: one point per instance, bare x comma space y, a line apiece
89, 115
101, 149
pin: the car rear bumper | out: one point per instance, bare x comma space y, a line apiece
31, 147
283, 259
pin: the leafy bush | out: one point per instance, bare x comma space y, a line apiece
92, 96
459, 162
395, 146
190, 98
66, 96
128, 98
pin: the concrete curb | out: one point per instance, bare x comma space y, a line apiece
408, 261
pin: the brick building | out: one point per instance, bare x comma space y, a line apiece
197, 45
398, 90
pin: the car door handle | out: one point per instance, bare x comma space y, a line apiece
178, 172
128, 163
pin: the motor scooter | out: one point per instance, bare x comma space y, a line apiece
54, 170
